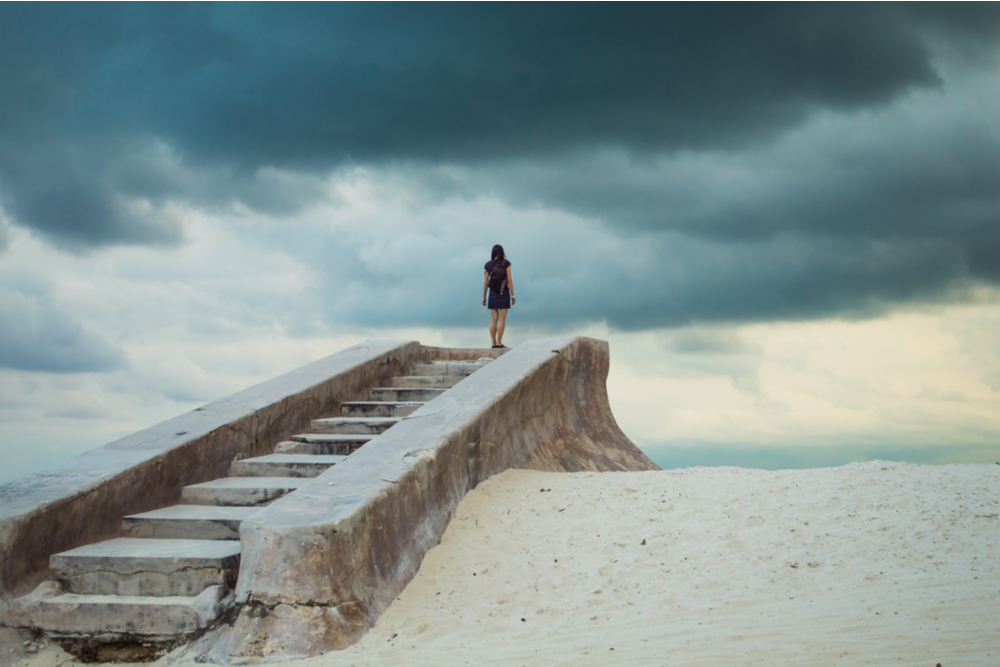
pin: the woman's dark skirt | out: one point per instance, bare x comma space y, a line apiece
499, 301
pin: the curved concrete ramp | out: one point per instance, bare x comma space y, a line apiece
320, 565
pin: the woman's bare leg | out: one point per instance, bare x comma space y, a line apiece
493, 326
500, 325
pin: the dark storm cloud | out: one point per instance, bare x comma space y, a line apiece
234, 89
930, 180
847, 216
731, 147
670, 280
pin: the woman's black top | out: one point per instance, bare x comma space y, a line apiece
502, 287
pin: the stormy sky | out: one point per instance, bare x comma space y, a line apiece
197, 197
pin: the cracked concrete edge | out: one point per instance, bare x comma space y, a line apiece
352, 538
262, 629
431, 353
79, 618
83, 499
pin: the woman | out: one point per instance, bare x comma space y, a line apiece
497, 280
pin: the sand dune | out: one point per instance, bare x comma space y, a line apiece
870, 563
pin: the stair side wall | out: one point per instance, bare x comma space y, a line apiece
83, 499
321, 565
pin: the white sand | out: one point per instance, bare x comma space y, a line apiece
871, 563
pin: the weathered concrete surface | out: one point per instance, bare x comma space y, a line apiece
426, 381
320, 565
285, 465
353, 425
112, 616
404, 395
190, 522
244, 491
380, 409
155, 567
431, 354
352, 439
448, 367
82, 500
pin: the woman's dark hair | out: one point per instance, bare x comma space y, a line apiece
498, 254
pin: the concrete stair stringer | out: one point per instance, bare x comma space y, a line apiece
83, 499
169, 557
321, 557
321, 564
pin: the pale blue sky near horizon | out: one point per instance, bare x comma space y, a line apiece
784, 218
787, 457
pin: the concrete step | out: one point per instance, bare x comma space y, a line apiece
110, 617
379, 408
244, 491
323, 443
405, 395
187, 522
353, 425
449, 367
426, 381
284, 465
144, 567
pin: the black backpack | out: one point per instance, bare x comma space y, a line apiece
498, 274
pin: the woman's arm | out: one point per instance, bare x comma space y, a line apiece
510, 284
486, 282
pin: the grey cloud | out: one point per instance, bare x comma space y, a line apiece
708, 342
36, 336
931, 178
237, 90
843, 217
651, 280
729, 150
715, 351
79, 214
122, 193
788, 278
851, 252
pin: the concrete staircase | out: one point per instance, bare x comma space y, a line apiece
172, 571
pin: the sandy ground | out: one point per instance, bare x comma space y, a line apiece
871, 563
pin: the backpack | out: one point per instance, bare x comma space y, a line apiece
498, 275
